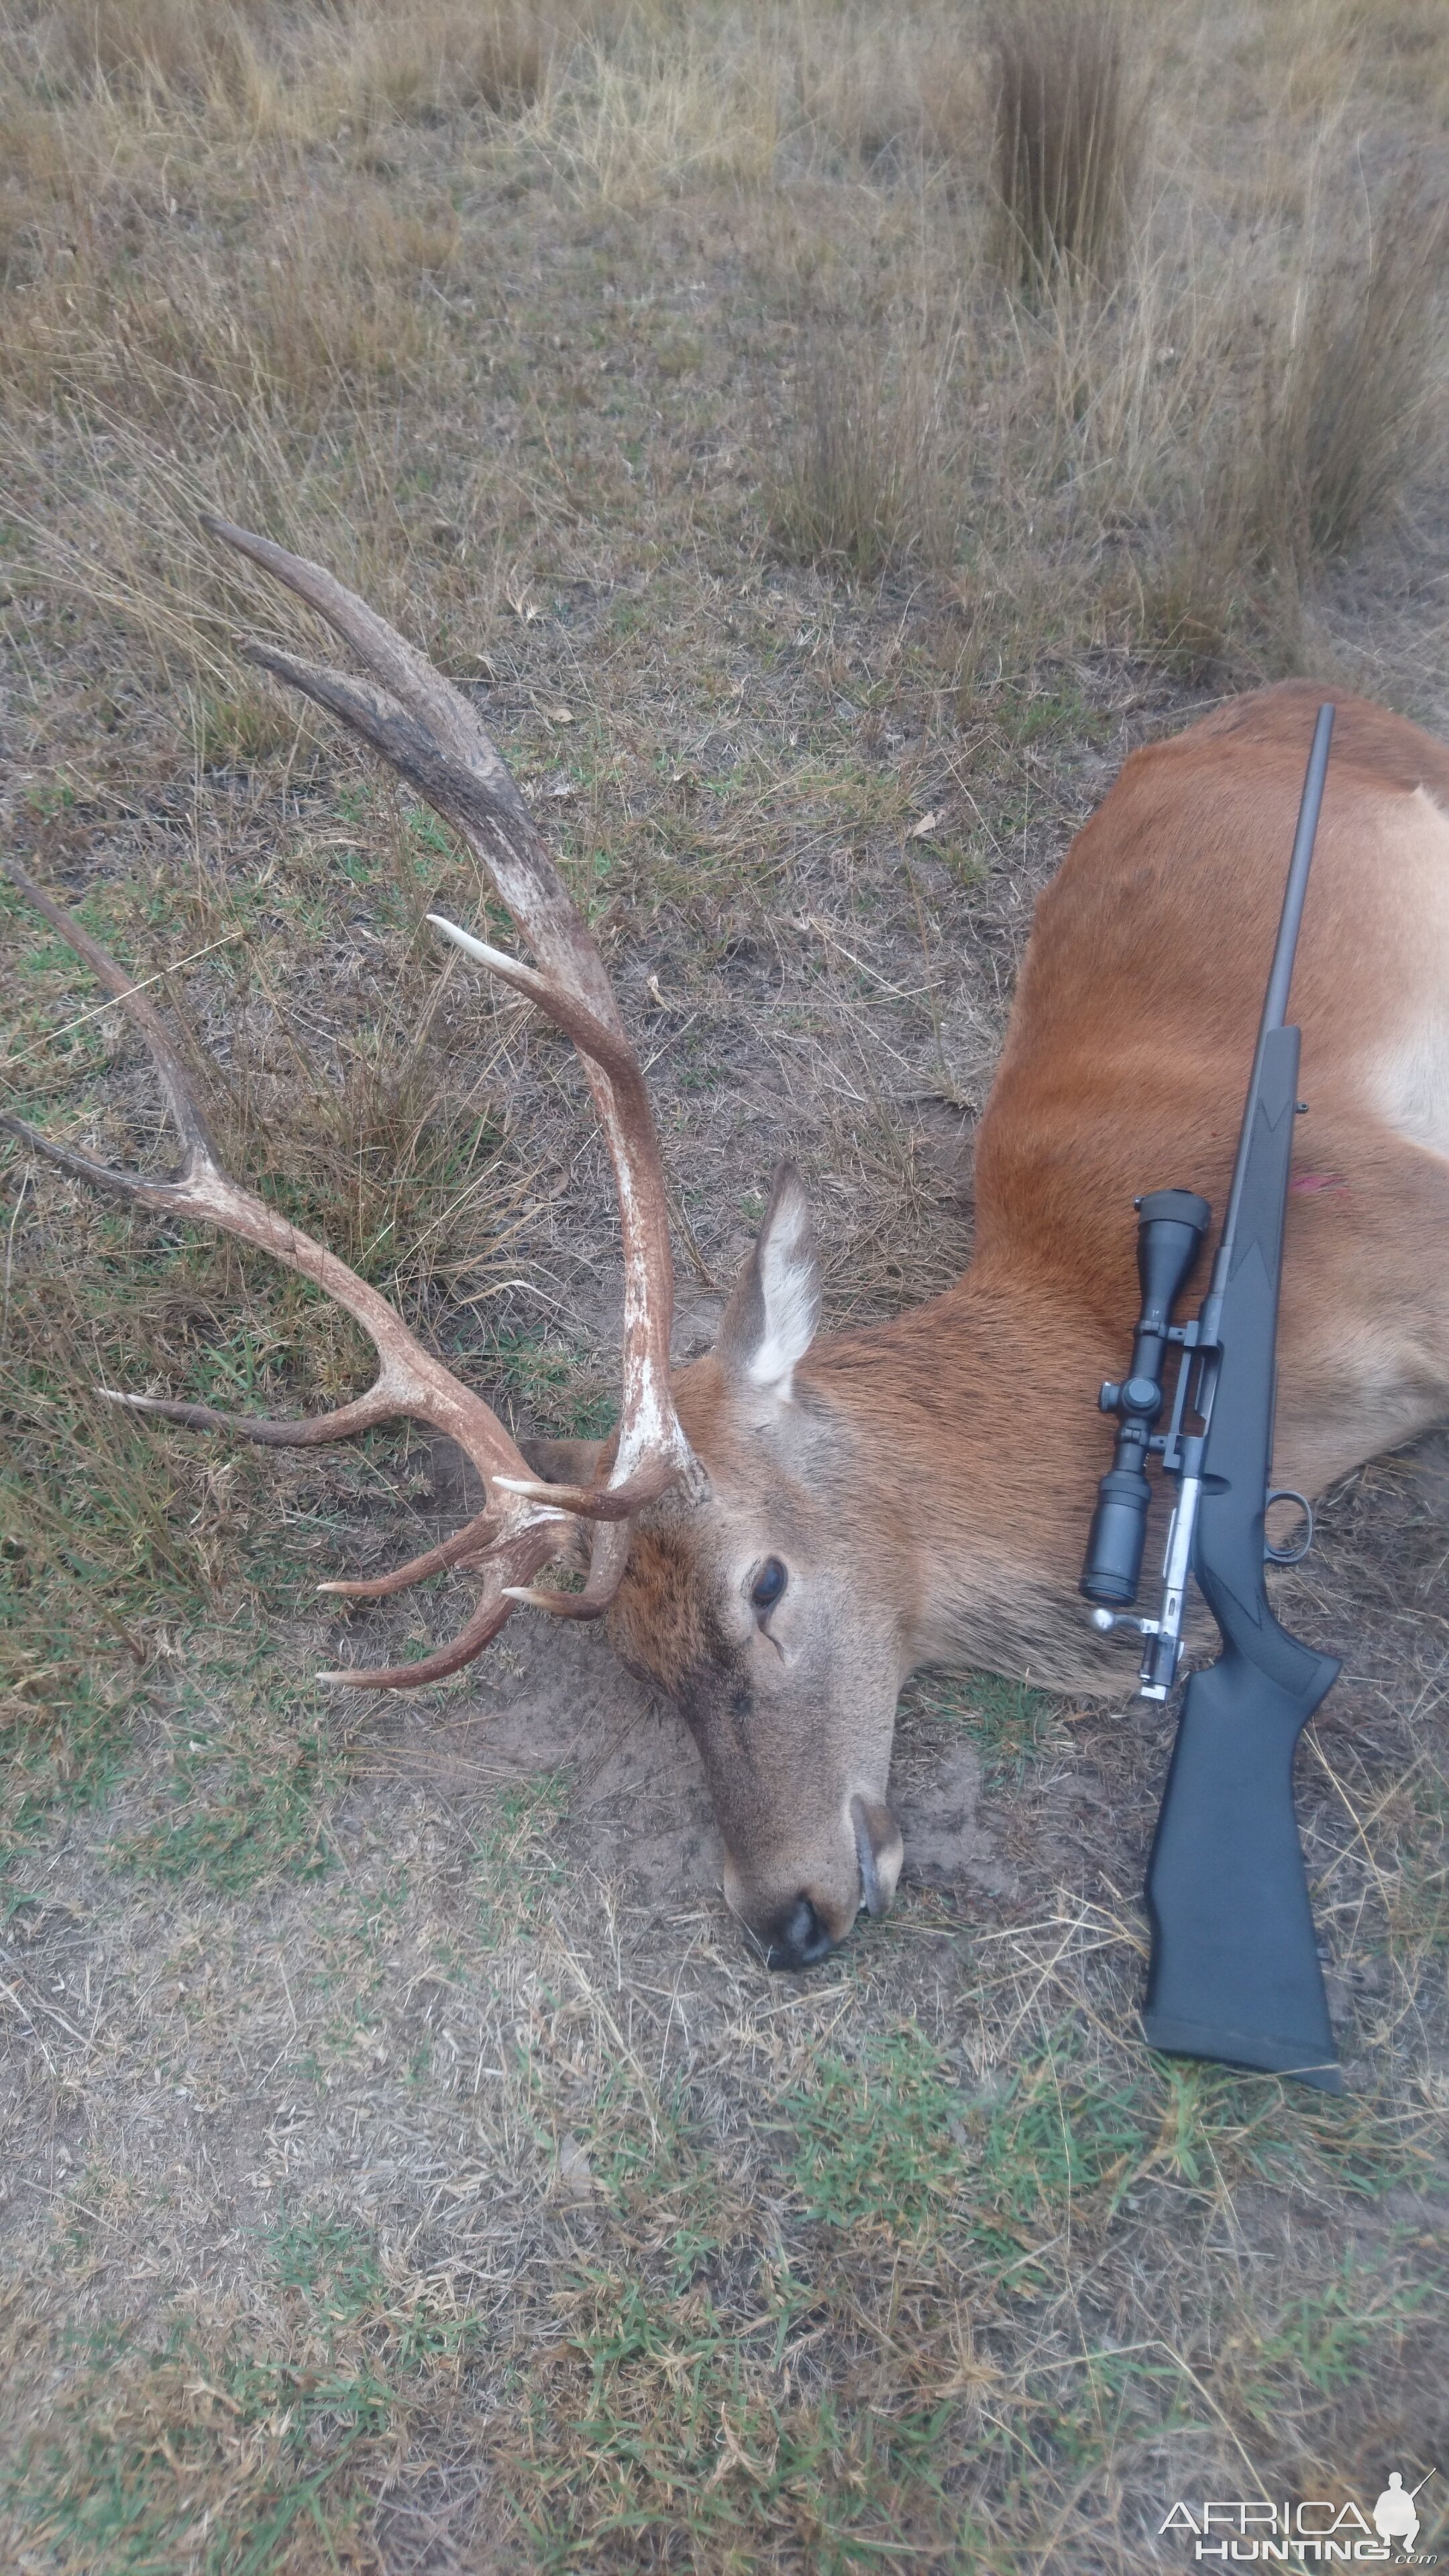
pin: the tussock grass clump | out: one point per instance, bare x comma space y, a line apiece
1305, 451
1353, 392
865, 479
1068, 138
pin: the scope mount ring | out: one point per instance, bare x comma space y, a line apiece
1287, 1555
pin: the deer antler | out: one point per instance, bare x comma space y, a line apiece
426, 730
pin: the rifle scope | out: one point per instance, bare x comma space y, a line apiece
1171, 1226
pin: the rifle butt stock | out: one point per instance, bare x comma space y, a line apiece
1234, 1969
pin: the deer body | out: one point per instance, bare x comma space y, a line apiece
782, 1532
951, 1457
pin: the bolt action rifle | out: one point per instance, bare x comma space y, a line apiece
1234, 1970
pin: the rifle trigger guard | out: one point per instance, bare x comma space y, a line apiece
1288, 1555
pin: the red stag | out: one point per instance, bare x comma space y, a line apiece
780, 1533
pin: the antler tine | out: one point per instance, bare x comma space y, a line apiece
186, 1117
474, 1539
516, 1536
427, 730
519, 1557
430, 734
316, 1430
608, 1556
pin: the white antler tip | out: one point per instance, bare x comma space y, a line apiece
497, 960
464, 939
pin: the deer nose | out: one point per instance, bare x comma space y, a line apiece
800, 1938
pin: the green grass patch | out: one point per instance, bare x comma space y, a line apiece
1320, 2343
643, 2155
195, 2453
889, 2139
242, 1797
67, 1739
663, 2423
238, 1825
93, 1546
875, 2144
1010, 1724
560, 1386
338, 2271
1217, 2128
1061, 2140
182, 2458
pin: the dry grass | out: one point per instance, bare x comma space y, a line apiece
1069, 109
1355, 399
872, 472
405, 2168
1319, 425
236, 61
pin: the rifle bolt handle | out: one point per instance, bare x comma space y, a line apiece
1104, 1621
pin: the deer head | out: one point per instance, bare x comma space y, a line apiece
767, 1604
715, 1522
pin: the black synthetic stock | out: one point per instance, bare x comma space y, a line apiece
1235, 1971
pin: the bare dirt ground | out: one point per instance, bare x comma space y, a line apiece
406, 2166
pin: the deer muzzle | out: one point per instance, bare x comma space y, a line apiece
806, 1927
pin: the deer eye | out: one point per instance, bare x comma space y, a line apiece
768, 1584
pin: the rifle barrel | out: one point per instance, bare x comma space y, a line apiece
1275, 1001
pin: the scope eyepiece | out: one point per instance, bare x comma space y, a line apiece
1118, 1534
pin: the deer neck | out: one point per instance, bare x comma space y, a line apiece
977, 1443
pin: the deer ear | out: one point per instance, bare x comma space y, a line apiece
564, 1462
774, 1308
569, 1462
